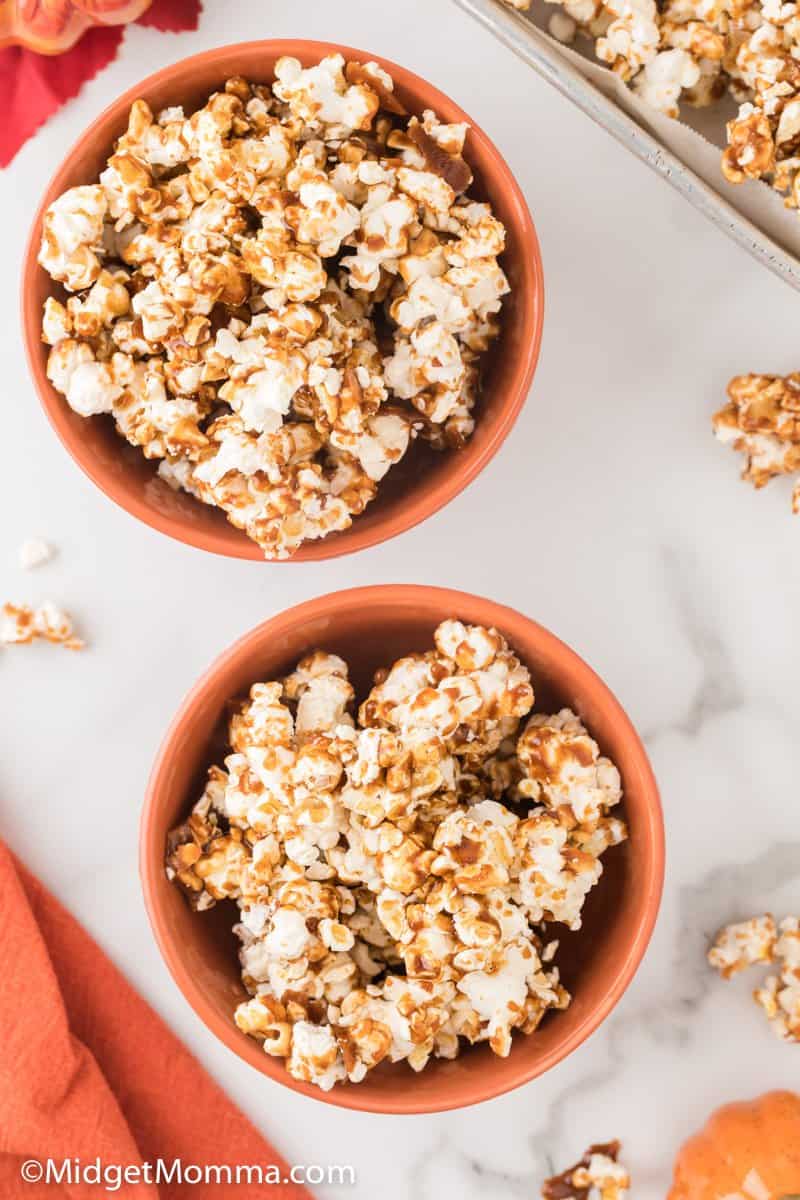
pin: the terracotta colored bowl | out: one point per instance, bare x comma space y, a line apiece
424, 481
597, 963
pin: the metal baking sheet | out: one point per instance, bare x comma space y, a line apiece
541, 53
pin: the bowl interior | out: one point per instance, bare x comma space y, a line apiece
425, 480
596, 962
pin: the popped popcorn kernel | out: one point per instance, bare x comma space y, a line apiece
737, 947
35, 552
779, 996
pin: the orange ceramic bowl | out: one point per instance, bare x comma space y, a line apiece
424, 481
371, 627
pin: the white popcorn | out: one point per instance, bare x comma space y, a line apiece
388, 912
632, 38
233, 269
35, 552
665, 77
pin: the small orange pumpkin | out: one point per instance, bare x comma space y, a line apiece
52, 26
747, 1151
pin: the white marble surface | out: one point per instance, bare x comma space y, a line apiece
611, 516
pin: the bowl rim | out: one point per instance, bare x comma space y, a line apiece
220, 541
329, 605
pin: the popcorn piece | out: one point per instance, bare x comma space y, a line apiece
35, 552
780, 995
737, 947
315, 1056
557, 867
562, 27
388, 910
598, 1176
762, 421
320, 95
21, 625
665, 77
631, 40
562, 767
72, 236
232, 269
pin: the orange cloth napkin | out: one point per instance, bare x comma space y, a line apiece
88, 1070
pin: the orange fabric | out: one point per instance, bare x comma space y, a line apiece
88, 1070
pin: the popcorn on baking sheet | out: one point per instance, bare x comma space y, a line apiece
695, 51
394, 878
598, 1176
274, 296
21, 624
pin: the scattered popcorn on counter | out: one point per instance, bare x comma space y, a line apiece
760, 940
396, 864
35, 552
20, 625
737, 947
598, 1176
274, 296
762, 421
780, 995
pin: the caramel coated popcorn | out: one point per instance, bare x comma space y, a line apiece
21, 624
274, 296
760, 940
762, 421
598, 1176
397, 864
737, 947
